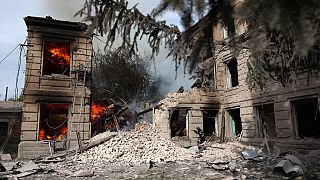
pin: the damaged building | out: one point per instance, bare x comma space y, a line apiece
56, 104
225, 107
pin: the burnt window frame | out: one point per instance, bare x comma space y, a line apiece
186, 117
55, 38
68, 121
258, 120
212, 78
231, 118
4, 125
293, 114
205, 113
229, 76
229, 30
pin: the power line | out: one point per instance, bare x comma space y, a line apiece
9, 53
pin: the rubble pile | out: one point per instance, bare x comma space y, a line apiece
172, 99
140, 146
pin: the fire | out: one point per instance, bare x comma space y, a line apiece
61, 53
96, 111
63, 132
41, 134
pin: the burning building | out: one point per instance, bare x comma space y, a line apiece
56, 111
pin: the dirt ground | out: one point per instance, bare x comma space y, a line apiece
177, 170
142, 154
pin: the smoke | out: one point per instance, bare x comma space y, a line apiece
170, 80
62, 9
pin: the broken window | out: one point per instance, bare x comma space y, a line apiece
178, 122
56, 58
235, 121
229, 30
53, 121
232, 73
209, 122
265, 120
210, 79
3, 128
307, 117
3, 131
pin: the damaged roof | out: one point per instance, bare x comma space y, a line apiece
53, 23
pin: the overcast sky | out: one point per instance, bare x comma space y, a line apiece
13, 32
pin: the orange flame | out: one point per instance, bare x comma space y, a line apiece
61, 52
63, 132
41, 134
96, 111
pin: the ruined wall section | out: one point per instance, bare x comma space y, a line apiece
245, 99
195, 100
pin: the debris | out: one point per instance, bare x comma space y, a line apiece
137, 147
5, 157
232, 165
219, 164
28, 166
64, 172
249, 154
49, 161
2, 168
149, 109
8, 165
27, 173
82, 173
194, 150
313, 153
152, 164
290, 165
100, 138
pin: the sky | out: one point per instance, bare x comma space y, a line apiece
13, 32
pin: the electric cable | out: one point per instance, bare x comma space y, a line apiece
9, 53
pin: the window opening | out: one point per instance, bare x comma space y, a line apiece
56, 58
209, 122
178, 123
235, 121
53, 121
266, 120
232, 73
307, 117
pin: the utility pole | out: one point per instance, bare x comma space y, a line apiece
5, 97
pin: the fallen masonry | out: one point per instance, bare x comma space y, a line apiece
142, 153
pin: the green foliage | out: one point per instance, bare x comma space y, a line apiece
281, 34
117, 73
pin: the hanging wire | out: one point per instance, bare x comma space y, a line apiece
12, 122
9, 53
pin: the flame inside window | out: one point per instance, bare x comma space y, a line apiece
53, 121
56, 58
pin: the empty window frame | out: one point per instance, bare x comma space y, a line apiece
3, 128
211, 79
56, 57
210, 122
3, 132
229, 30
265, 120
306, 117
178, 122
232, 73
235, 121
